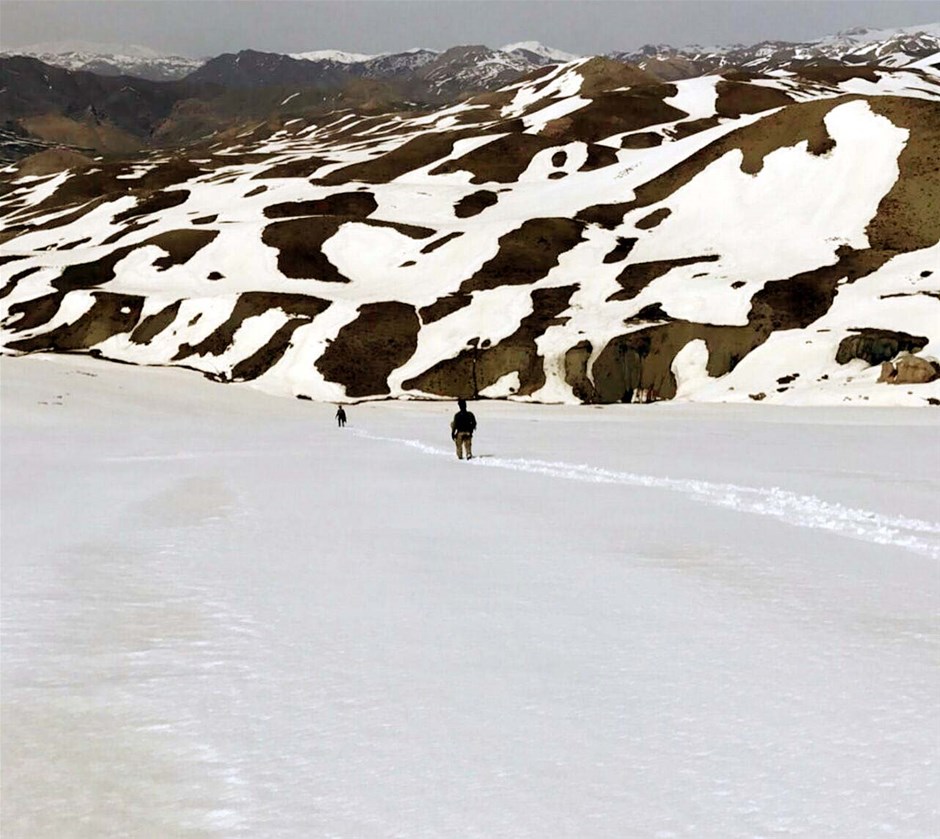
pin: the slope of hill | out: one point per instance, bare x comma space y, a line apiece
588, 234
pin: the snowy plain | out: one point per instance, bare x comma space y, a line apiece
224, 616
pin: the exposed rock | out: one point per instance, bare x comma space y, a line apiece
874, 346
910, 369
478, 367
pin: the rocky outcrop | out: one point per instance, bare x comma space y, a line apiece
876, 346
910, 369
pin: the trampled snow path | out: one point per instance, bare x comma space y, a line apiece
922, 537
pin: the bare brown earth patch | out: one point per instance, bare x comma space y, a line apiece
128, 230
908, 217
653, 219
205, 219
347, 204
634, 278
270, 354
366, 351
251, 304
69, 245
26, 226
621, 250
475, 203
693, 126
642, 140
608, 216
738, 98
51, 161
104, 184
28, 314
299, 243
476, 368
651, 313
417, 152
13, 257
256, 191
412, 231
10, 284
153, 325
527, 253
836, 73
110, 314
559, 158
598, 157
88, 134
180, 245
437, 243
738, 74
557, 176
444, 306
303, 168
602, 74
502, 160
154, 203
795, 302
616, 112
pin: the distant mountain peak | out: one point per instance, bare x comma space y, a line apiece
339, 56
537, 48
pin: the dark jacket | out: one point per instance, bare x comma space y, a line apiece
464, 421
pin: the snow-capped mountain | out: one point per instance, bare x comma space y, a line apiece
887, 48
587, 234
111, 59
336, 56
426, 74
548, 55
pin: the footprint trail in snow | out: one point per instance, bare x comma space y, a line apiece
922, 537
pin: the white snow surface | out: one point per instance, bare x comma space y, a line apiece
225, 617
339, 56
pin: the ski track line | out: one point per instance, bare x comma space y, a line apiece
783, 505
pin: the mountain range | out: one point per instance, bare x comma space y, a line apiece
588, 232
110, 99
892, 47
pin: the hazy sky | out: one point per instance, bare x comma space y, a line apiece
208, 27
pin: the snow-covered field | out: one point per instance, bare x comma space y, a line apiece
223, 616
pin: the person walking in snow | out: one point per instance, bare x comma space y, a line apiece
462, 427
340, 416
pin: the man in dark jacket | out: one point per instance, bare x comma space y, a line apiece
462, 427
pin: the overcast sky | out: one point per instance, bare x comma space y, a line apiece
201, 28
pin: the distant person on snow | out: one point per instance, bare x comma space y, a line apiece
340, 416
462, 427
